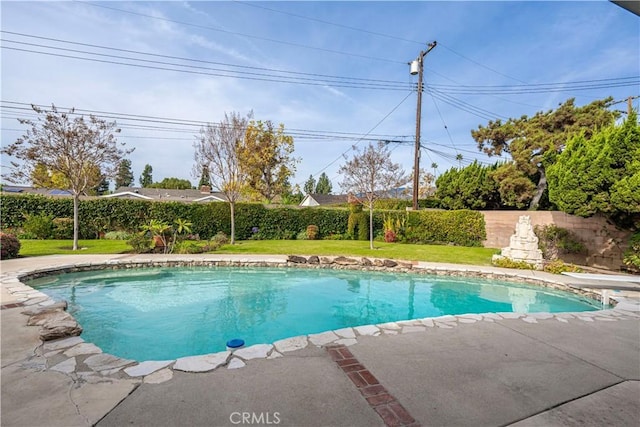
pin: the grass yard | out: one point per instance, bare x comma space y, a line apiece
433, 253
63, 247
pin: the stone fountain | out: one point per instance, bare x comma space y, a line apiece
523, 245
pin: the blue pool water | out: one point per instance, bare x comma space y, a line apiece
166, 313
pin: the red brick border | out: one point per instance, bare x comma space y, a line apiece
386, 406
11, 305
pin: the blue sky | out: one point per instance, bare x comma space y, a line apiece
517, 46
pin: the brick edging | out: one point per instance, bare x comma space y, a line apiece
11, 305
377, 396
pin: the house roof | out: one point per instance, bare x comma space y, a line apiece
167, 195
324, 199
19, 189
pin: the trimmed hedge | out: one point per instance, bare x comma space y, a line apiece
459, 227
97, 216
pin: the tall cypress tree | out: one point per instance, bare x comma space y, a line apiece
310, 185
324, 184
146, 179
124, 178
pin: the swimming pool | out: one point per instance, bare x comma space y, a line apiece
166, 313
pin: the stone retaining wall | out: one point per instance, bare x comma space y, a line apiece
605, 243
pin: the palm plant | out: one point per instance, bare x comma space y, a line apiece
158, 231
181, 226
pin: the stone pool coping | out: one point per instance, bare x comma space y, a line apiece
74, 356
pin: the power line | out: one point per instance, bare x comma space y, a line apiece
190, 69
201, 61
366, 134
311, 78
461, 105
540, 87
481, 65
443, 123
374, 33
204, 27
191, 126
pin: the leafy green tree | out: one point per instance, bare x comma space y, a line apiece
40, 176
103, 187
534, 142
146, 179
324, 184
515, 189
293, 196
172, 184
310, 185
80, 151
471, 187
600, 174
266, 158
205, 179
124, 177
369, 175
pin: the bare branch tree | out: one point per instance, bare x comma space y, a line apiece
218, 147
80, 152
371, 174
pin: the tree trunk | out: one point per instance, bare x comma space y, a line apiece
76, 200
371, 226
232, 207
542, 185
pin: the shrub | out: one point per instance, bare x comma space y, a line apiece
394, 227
302, 235
220, 238
216, 241
392, 204
25, 236
632, 254
559, 267
9, 246
188, 247
63, 228
41, 226
509, 263
358, 222
117, 235
312, 232
555, 241
140, 243
390, 236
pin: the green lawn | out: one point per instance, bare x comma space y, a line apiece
434, 253
63, 247
449, 254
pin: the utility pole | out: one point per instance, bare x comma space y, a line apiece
417, 67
